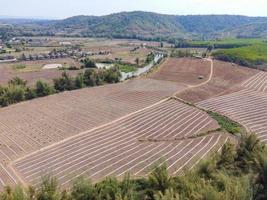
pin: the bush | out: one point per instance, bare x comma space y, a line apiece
83, 190
43, 89
89, 77
17, 81
112, 75
226, 123
79, 81
49, 189
64, 83
30, 93
87, 63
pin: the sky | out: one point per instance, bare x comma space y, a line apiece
60, 9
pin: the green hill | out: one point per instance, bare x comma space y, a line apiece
146, 25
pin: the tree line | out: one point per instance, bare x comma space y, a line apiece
17, 90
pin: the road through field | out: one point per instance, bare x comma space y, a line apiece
203, 83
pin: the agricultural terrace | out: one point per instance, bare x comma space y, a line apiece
32, 125
83, 132
190, 71
226, 78
132, 144
246, 106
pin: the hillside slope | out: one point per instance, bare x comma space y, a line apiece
147, 25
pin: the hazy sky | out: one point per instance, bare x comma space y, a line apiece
67, 8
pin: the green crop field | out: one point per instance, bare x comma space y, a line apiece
252, 55
225, 43
126, 68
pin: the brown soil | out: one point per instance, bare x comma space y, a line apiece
226, 78
183, 70
7, 71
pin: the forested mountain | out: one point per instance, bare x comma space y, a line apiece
149, 25
257, 30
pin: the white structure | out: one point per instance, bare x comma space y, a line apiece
65, 43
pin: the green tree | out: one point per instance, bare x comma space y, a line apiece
79, 81
83, 189
17, 81
49, 189
159, 179
250, 148
137, 61
228, 156
65, 82
87, 63
43, 89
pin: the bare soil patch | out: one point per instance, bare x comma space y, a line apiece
32, 70
188, 71
226, 78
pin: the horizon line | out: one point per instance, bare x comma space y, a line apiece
62, 18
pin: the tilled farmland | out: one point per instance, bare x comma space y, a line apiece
183, 70
257, 82
32, 125
247, 107
166, 132
105, 131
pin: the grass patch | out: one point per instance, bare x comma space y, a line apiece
226, 123
126, 68
26, 68
19, 66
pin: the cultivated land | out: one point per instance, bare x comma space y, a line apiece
132, 144
183, 70
31, 71
126, 124
246, 106
226, 77
120, 128
35, 124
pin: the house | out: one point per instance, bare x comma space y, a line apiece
65, 43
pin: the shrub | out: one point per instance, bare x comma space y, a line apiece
226, 123
87, 63
43, 89
79, 81
17, 81
83, 189
49, 189
30, 93
89, 77
65, 82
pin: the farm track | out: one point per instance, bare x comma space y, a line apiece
119, 147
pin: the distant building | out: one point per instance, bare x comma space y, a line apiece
65, 43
